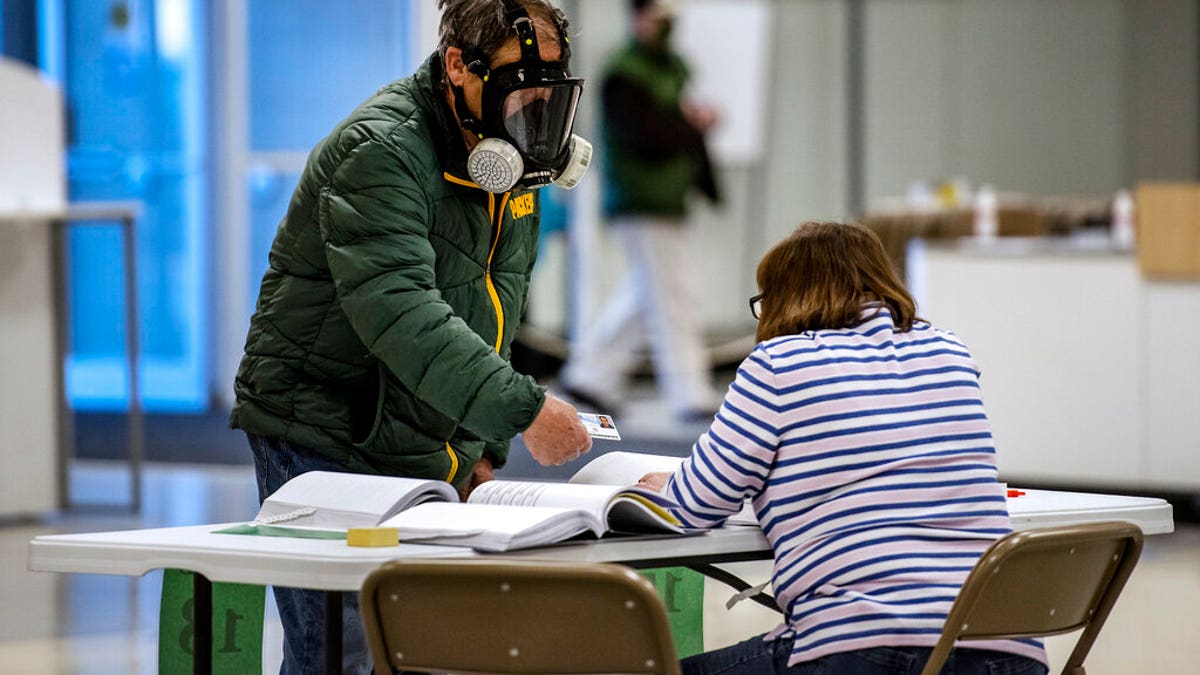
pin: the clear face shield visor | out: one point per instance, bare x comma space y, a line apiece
529, 112
537, 120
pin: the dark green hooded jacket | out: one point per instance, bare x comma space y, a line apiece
384, 323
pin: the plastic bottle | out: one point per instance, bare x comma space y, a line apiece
920, 197
1121, 229
987, 216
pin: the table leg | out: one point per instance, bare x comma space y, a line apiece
133, 421
333, 632
65, 422
202, 615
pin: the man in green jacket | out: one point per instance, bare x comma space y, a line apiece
383, 327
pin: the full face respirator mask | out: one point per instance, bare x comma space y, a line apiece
528, 108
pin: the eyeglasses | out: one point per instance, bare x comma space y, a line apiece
756, 305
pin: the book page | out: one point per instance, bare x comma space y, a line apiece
627, 468
619, 507
334, 500
490, 527
624, 468
591, 498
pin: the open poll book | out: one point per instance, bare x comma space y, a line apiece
629, 467
500, 514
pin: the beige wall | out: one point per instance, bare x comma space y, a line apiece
1046, 97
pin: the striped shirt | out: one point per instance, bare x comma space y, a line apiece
870, 464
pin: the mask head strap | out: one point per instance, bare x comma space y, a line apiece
517, 17
477, 64
465, 116
522, 25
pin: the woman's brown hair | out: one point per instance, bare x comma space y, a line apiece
821, 276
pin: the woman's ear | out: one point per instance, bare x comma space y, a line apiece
456, 69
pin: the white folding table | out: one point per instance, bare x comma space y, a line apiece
334, 567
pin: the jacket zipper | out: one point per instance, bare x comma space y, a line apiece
496, 219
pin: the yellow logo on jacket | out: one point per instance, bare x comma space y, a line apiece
521, 206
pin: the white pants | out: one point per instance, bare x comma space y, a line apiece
655, 303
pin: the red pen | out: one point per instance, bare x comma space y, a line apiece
1016, 493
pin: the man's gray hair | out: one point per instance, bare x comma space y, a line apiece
481, 24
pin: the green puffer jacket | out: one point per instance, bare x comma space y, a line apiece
384, 323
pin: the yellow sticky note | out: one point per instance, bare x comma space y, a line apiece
373, 536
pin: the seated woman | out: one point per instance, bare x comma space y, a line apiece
858, 432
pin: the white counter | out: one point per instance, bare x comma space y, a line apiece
1091, 374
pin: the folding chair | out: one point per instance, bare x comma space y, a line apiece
514, 616
1043, 582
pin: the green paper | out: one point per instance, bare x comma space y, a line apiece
237, 626
682, 593
258, 529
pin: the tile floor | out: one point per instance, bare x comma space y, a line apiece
100, 625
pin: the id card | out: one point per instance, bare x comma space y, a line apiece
600, 426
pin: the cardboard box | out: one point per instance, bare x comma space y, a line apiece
1020, 221
1168, 229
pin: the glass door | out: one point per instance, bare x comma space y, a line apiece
133, 74
288, 71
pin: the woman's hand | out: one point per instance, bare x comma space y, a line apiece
655, 481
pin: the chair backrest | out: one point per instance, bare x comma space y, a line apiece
491, 615
1043, 582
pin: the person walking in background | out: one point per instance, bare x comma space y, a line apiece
858, 432
385, 320
654, 157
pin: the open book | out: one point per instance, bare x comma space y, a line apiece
627, 468
499, 516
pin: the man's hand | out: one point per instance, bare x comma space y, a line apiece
655, 481
556, 435
482, 473
702, 117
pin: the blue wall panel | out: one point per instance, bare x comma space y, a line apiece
133, 78
136, 87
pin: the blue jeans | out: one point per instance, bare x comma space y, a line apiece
756, 657
303, 612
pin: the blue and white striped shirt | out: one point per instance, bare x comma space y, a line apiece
870, 464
